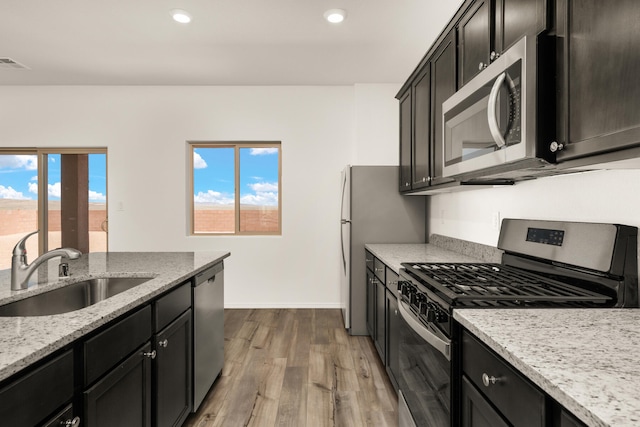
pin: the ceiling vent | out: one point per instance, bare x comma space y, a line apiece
10, 64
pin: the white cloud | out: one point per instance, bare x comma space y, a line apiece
20, 161
55, 190
94, 196
10, 193
214, 197
259, 187
33, 187
263, 151
198, 161
34, 178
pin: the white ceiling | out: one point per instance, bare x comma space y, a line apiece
229, 42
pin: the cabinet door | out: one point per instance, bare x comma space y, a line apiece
393, 341
568, 420
123, 396
517, 18
601, 94
381, 326
421, 159
371, 304
474, 32
476, 411
32, 397
405, 141
443, 76
173, 372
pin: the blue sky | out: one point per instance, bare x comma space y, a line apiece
214, 179
19, 177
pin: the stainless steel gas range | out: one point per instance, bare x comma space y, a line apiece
546, 264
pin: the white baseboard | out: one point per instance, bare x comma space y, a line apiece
301, 305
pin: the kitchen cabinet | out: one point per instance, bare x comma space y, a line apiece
35, 397
421, 135
123, 396
117, 372
392, 328
502, 387
405, 141
489, 27
443, 77
371, 304
597, 65
494, 394
172, 366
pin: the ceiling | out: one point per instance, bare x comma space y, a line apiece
229, 42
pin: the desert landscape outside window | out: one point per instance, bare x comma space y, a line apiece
60, 192
236, 188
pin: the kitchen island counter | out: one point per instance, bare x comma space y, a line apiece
26, 340
585, 359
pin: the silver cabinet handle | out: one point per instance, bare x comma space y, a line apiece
151, 354
488, 380
491, 111
71, 423
378, 269
163, 343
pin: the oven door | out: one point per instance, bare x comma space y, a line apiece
424, 381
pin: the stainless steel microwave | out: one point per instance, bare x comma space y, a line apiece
490, 123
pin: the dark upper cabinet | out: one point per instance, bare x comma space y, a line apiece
490, 27
474, 34
421, 159
443, 78
405, 141
598, 62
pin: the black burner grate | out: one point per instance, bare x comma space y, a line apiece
498, 285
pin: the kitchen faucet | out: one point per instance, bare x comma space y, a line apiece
21, 270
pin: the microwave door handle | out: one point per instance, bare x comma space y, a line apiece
491, 111
436, 342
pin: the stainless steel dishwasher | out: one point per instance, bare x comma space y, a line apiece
208, 330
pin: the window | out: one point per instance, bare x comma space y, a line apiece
60, 192
236, 188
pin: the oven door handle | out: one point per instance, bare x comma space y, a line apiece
434, 341
491, 111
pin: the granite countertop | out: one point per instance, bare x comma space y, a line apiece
25, 340
587, 360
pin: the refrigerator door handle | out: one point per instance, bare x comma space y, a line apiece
343, 221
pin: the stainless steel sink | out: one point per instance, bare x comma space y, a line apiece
72, 297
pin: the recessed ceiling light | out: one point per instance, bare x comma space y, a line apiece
335, 16
181, 16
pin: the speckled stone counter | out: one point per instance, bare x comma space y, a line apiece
588, 360
441, 249
25, 340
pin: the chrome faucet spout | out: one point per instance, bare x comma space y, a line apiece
21, 270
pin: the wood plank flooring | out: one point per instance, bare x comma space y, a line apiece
296, 367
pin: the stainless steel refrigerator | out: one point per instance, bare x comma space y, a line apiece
373, 211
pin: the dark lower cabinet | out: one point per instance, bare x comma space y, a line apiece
393, 341
381, 326
64, 418
371, 304
476, 410
173, 372
123, 396
35, 397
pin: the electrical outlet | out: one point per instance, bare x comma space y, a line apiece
495, 220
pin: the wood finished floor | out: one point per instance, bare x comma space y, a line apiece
296, 367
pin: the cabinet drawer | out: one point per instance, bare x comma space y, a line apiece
170, 306
368, 259
110, 346
518, 400
378, 269
33, 397
392, 281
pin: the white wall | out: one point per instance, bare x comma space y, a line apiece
145, 130
609, 196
